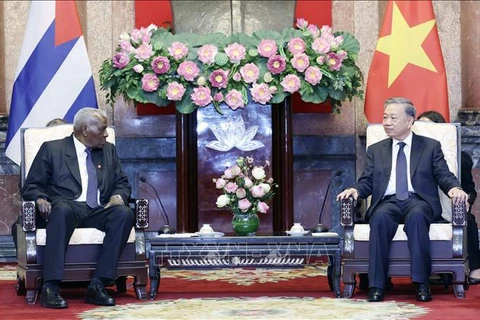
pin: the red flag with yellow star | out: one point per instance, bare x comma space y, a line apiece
408, 61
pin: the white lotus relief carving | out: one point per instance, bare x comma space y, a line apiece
232, 134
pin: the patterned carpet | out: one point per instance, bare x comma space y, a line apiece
259, 308
252, 294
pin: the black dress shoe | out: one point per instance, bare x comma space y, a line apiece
473, 281
375, 294
51, 298
423, 292
97, 294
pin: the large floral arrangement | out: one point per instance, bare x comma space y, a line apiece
246, 189
152, 65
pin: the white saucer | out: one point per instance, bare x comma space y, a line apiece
297, 233
210, 234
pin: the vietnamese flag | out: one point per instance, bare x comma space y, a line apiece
408, 61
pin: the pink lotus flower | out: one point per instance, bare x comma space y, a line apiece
244, 204
300, 62
189, 70
313, 75
136, 35
126, 46
302, 23
138, 68
178, 50
201, 96
207, 53
231, 187
321, 45
262, 207
257, 191
261, 93
276, 64
220, 183
150, 82
241, 193
334, 62
320, 60
143, 52
296, 45
313, 30
120, 60
175, 91
291, 83
219, 78
160, 65
267, 48
218, 97
234, 99
237, 76
250, 72
235, 52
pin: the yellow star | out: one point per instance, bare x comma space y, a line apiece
404, 45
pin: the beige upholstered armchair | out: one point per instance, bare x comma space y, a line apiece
85, 243
448, 245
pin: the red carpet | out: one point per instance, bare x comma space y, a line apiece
195, 284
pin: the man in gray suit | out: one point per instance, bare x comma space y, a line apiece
78, 182
402, 174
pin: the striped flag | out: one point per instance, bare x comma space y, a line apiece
54, 78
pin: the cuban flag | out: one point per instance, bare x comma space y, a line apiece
54, 78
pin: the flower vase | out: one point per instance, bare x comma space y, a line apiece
245, 224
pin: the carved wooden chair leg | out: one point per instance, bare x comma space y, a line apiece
121, 284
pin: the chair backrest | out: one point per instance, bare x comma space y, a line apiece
449, 136
31, 140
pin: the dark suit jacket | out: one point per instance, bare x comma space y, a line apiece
428, 169
55, 175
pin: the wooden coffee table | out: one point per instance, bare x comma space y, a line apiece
263, 251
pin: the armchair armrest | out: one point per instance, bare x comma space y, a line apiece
459, 215
141, 209
28, 216
347, 207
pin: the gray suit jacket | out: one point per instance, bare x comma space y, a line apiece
55, 175
428, 169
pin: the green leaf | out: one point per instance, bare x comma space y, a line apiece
217, 39
290, 33
190, 39
279, 97
337, 94
350, 43
318, 95
186, 105
267, 34
242, 39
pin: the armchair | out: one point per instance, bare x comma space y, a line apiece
81, 256
448, 238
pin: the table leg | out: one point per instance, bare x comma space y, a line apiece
337, 265
154, 274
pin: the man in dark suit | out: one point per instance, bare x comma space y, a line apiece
78, 182
402, 174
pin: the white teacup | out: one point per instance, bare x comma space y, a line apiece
297, 227
206, 228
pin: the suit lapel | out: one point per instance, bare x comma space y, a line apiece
72, 161
415, 154
387, 154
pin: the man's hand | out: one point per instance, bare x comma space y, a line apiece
347, 193
44, 208
458, 196
115, 200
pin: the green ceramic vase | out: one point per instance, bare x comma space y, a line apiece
245, 224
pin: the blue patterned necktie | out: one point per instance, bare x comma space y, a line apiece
401, 186
92, 186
